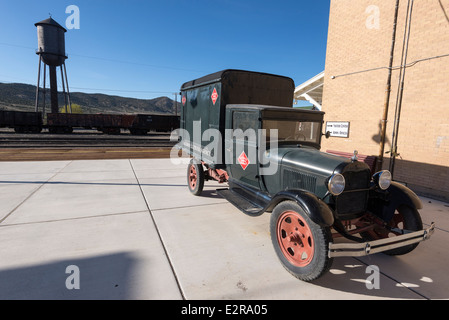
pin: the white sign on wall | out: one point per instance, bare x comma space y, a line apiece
338, 128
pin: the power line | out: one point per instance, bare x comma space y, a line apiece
136, 63
103, 59
102, 89
15, 45
408, 65
117, 90
111, 60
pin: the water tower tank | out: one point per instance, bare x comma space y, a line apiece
51, 42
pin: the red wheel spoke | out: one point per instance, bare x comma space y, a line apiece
192, 177
295, 239
397, 219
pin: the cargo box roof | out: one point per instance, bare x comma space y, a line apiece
219, 75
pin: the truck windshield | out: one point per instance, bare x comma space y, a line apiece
294, 131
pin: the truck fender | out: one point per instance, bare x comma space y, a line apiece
317, 210
398, 195
405, 195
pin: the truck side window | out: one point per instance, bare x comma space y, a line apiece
294, 130
245, 120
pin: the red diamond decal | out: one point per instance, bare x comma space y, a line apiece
214, 96
243, 160
184, 100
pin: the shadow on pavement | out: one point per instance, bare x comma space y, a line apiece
352, 276
100, 277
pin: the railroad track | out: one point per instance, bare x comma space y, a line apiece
83, 139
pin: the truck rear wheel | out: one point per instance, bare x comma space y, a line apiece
300, 244
195, 177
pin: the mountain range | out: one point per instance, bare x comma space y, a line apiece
21, 97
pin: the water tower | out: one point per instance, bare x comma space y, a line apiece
51, 51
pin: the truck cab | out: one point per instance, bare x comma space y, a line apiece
240, 129
292, 128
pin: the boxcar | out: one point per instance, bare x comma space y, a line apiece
111, 123
107, 123
161, 123
22, 122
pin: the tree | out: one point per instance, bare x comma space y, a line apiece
76, 108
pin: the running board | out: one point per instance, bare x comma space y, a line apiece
243, 204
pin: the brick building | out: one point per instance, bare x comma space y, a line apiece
360, 42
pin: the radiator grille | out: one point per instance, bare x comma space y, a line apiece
355, 197
296, 180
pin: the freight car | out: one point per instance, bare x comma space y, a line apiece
21, 122
143, 123
137, 124
106, 123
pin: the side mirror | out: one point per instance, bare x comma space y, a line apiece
327, 134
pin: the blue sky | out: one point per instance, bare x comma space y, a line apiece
147, 49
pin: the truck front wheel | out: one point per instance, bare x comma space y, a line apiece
300, 244
405, 218
195, 177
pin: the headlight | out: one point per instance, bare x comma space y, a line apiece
336, 184
382, 179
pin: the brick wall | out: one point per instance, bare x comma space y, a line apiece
360, 38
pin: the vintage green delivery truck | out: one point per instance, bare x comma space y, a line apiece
241, 130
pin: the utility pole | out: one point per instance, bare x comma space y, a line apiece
176, 103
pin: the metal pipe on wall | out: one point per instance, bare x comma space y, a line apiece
394, 146
387, 91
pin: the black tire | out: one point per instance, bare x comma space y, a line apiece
310, 241
195, 177
405, 217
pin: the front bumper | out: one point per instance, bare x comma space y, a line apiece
371, 247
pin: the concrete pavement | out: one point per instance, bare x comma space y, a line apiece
133, 231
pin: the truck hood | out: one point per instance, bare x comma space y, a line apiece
307, 168
312, 160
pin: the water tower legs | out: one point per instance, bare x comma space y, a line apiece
67, 83
37, 87
53, 90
